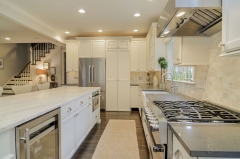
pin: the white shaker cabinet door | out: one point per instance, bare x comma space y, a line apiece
86, 48
112, 44
68, 137
112, 95
134, 56
88, 114
142, 56
98, 48
123, 65
69, 57
123, 95
111, 64
230, 25
75, 56
134, 96
79, 125
123, 44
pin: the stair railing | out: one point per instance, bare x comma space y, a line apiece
39, 50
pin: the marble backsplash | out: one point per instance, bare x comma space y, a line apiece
72, 77
141, 77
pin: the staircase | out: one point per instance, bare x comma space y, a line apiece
38, 52
24, 77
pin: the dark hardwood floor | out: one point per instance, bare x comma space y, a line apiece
87, 148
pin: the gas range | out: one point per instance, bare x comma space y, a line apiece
196, 111
158, 114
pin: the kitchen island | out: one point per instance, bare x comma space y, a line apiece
18, 109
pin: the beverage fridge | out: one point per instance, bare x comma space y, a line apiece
92, 73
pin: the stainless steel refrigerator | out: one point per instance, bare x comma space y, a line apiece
92, 73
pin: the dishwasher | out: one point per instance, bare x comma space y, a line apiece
39, 138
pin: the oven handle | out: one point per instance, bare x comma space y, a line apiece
27, 143
97, 96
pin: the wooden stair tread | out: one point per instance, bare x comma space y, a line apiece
7, 88
8, 93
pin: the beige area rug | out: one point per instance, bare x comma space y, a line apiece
118, 141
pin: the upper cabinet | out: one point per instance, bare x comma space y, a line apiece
188, 51
72, 49
230, 25
92, 48
117, 44
138, 55
155, 48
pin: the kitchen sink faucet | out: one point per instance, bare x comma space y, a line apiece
173, 87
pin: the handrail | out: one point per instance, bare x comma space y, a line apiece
35, 46
23, 69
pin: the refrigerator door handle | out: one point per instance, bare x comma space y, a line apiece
92, 73
89, 68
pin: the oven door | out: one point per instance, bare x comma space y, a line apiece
156, 150
95, 102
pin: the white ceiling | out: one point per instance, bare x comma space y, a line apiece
114, 17
19, 34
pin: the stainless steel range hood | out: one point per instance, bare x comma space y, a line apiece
190, 18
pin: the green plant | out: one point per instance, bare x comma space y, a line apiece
163, 64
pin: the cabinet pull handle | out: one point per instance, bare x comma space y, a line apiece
221, 44
89, 104
27, 143
69, 109
89, 97
96, 116
81, 102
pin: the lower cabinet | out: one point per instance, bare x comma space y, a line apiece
68, 136
88, 114
134, 96
7, 144
79, 126
76, 126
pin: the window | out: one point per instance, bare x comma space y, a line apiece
183, 73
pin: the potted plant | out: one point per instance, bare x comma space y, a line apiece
163, 64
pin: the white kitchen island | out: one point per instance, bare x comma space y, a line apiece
18, 109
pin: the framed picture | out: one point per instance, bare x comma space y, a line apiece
46, 65
1, 63
52, 70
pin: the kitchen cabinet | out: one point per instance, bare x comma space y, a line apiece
92, 48
138, 55
72, 47
7, 146
230, 24
68, 137
134, 97
117, 44
117, 80
88, 117
188, 51
79, 126
155, 48
77, 121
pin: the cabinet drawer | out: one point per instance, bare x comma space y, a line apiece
89, 97
95, 116
67, 109
80, 102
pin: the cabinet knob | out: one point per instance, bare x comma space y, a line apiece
89, 97
69, 109
178, 154
221, 44
81, 102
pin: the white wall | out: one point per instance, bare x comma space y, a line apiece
16, 57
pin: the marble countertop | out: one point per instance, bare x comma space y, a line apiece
17, 109
208, 140
145, 87
168, 96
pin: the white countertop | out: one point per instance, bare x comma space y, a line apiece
18, 109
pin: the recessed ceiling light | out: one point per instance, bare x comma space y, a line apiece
100, 31
135, 30
180, 14
166, 32
81, 11
137, 15
67, 32
7, 38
